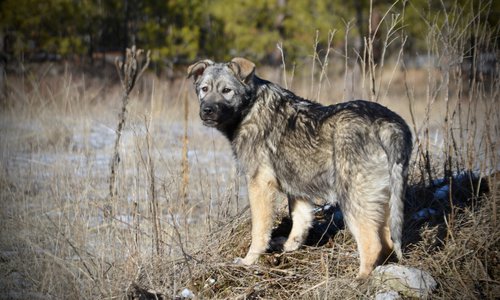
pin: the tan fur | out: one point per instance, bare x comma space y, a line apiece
261, 190
369, 246
385, 237
242, 68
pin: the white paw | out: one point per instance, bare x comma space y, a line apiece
291, 245
248, 260
238, 261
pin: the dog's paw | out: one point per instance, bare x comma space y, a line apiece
291, 245
245, 261
238, 261
362, 276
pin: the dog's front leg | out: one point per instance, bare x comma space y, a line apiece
261, 191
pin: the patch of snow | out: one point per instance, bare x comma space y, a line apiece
424, 213
438, 181
126, 219
210, 281
442, 192
186, 293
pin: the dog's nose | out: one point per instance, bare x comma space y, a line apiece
208, 109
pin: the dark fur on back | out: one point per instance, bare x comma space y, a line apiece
279, 123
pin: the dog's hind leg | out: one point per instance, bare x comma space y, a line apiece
368, 241
302, 217
364, 192
261, 191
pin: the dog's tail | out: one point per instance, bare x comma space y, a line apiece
396, 206
398, 146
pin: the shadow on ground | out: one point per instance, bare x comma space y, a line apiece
425, 205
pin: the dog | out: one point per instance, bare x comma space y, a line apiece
355, 154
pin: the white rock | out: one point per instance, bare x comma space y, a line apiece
389, 295
410, 282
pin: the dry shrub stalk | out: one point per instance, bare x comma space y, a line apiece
129, 71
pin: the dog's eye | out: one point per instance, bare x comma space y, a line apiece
226, 90
204, 89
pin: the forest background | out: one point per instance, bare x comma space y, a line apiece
178, 31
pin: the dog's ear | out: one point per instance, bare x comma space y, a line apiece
243, 68
198, 68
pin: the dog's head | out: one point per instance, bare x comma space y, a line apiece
223, 89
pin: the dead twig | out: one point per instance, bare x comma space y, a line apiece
129, 71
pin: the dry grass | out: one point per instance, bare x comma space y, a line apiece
181, 212
57, 242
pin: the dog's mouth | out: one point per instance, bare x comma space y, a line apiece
210, 123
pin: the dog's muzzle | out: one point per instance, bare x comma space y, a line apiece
209, 113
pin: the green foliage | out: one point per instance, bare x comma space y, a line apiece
249, 26
178, 31
56, 26
171, 29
